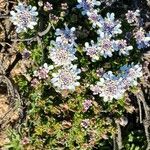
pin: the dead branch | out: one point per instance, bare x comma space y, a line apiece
119, 137
140, 110
9, 69
146, 124
114, 142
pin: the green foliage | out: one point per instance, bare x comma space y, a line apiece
15, 141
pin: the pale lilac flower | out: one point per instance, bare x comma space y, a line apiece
113, 87
105, 46
66, 35
131, 73
96, 89
142, 39
34, 82
94, 17
92, 50
133, 17
109, 25
66, 78
85, 123
87, 5
122, 47
24, 17
87, 104
62, 54
42, 72
110, 89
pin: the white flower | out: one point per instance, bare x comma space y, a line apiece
109, 25
62, 54
113, 87
105, 46
108, 87
132, 17
129, 75
87, 5
94, 17
24, 17
66, 36
142, 39
92, 50
121, 46
133, 71
96, 89
66, 78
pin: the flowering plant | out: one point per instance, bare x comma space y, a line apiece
24, 17
82, 74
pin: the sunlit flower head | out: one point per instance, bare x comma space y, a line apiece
105, 46
24, 17
66, 78
108, 87
109, 25
94, 17
111, 87
122, 47
62, 54
87, 5
142, 39
132, 17
131, 73
66, 35
92, 50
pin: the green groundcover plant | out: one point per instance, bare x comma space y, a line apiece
85, 58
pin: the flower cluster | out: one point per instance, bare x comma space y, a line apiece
42, 72
122, 47
66, 36
112, 87
63, 49
24, 17
108, 28
66, 78
133, 17
105, 47
142, 39
87, 5
87, 104
109, 25
62, 53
